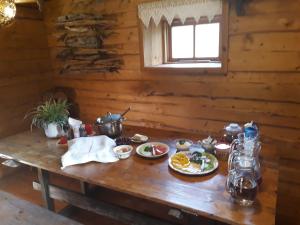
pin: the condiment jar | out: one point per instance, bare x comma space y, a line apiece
231, 132
251, 130
209, 145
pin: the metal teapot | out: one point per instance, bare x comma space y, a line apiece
111, 124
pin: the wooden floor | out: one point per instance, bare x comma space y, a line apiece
20, 185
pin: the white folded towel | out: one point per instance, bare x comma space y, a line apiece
88, 149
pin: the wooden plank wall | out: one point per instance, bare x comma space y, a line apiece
25, 70
262, 84
288, 210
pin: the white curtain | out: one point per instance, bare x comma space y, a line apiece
182, 9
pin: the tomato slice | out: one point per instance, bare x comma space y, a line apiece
63, 141
159, 150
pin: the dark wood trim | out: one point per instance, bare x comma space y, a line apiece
194, 42
186, 71
169, 43
224, 41
141, 42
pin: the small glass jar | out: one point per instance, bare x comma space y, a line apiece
231, 132
222, 151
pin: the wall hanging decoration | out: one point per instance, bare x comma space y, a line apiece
83, 35
240, 6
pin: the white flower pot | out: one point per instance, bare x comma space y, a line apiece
53, 130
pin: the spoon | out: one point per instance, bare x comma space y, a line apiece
126, 111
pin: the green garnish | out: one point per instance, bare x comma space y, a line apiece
209, 166
148, 149
196, 158
181, 142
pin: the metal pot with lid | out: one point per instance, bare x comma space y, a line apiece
111, 124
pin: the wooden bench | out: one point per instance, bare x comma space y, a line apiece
14, 211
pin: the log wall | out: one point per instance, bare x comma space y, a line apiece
262, 83
288, 211
24, 69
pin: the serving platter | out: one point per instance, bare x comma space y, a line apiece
144, 150
206, 163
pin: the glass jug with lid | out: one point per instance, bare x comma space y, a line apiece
244, 148
241, 182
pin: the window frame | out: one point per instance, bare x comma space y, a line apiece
167, 44
175, 67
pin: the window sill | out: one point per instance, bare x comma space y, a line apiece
190, 65
190, 68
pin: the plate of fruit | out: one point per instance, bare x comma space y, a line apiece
152, 150
193, 163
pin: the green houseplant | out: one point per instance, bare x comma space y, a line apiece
51, 115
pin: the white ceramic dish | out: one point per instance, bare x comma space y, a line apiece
140, 150
139, 138
123, 155
183, 147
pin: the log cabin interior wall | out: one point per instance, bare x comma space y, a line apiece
25, 70
263, 80
262, 83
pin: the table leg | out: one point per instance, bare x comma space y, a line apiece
44, 181
84, 188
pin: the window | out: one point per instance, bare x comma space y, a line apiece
192, 42
198, 43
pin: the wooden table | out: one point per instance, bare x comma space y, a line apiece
14, 211
148, 179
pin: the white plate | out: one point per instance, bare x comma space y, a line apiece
139, 150
192, 171
143, 138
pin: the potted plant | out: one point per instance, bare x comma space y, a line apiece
52, 115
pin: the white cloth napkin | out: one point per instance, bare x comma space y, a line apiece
88, 149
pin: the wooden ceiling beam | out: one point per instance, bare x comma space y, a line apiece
38, 2
25, 1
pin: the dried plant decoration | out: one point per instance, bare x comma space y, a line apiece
83, 35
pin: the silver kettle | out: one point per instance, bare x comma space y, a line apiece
111, 124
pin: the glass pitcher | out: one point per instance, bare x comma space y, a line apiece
250, 145
241, 181
245, 148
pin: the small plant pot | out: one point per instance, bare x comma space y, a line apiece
53, 130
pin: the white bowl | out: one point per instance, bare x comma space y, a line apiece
123, 155
185, 147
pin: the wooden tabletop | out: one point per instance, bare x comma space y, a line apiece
14, 211
152, 179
